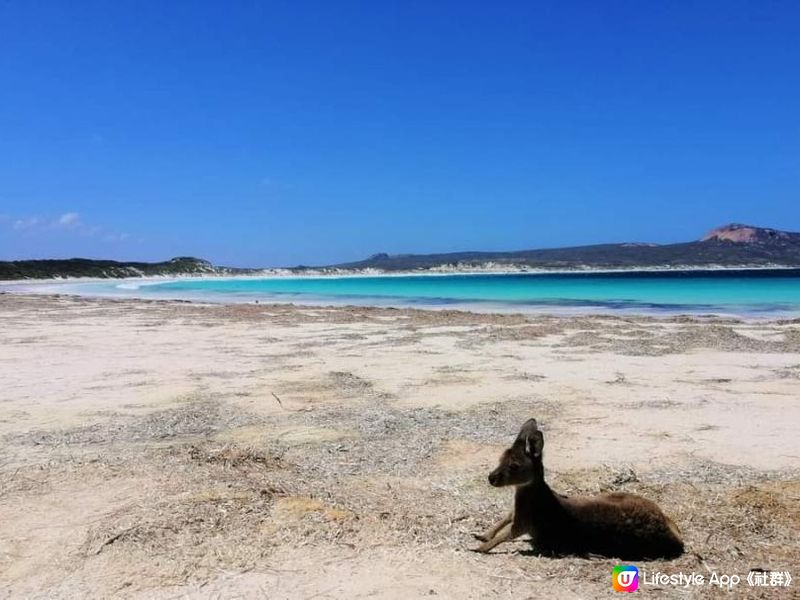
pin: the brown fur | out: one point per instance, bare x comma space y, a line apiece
617, 524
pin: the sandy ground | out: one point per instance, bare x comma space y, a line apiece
168, 450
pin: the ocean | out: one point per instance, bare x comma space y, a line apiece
772, 292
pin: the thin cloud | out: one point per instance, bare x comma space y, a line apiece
26, 223
69, 222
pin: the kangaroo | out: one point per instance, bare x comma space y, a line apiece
616, 525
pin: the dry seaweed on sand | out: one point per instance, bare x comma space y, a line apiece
356, 477
195, 415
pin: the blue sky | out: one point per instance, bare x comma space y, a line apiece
279, 133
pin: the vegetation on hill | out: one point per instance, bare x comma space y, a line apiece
84, 267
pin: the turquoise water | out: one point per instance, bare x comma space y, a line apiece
770, 292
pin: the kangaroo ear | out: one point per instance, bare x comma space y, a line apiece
534, 442
529, 427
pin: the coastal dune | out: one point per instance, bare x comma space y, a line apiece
154, 449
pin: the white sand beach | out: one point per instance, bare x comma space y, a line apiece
170, 449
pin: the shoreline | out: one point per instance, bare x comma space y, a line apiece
135, 287
281, 273
476, 310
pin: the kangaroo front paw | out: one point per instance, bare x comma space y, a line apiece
482, 537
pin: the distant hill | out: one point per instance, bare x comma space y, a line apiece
732, 245
747, 234
84, 267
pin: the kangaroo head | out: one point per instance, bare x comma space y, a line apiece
522, 462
